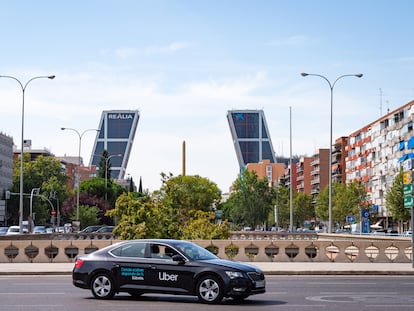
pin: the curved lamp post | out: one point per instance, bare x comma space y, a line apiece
23, 87
331, 86
106, 173
79, 164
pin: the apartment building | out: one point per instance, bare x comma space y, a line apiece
6, 172
273, 171
319, 178
303, 175
338, 159
70, 168
291, 182
374, 153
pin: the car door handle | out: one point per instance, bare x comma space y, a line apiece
153, 267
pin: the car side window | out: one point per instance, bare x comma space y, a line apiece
130, 250
162, 251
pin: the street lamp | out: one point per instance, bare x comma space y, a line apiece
23, 87
34, 192
79, 164
331, 86
106, 173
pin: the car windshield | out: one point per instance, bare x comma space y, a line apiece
194, 252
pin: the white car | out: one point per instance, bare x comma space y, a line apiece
13, 230
408, 233
3, 230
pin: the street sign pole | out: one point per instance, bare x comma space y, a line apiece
408, 197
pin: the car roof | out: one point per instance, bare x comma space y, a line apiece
161, 241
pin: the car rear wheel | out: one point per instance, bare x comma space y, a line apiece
209, 290
102, 286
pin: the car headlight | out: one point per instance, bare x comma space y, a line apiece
234, 274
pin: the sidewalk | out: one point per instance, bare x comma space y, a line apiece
270, 268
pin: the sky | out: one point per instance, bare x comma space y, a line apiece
185, 64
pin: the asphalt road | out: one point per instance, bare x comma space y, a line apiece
290, 293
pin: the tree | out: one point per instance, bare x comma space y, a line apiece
45, 173
187, 193
283, 205
182, 208
322, 204
252, 200
395, 200
349, 200
346, 200
303, 209
92, 193
143, 217
104, 170
202, 226
85, 199
88, 215
102, 188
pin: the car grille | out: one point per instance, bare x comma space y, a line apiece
256, 276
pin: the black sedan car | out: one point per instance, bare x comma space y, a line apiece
165, 266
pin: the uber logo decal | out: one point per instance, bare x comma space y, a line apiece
167, 277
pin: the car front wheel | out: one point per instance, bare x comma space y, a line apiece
209, 290
102, 287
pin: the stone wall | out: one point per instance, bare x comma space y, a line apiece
258, 247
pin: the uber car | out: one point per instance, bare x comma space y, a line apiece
165, 266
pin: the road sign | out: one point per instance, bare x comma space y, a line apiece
407, 177
365, 221
408, 189
407, 165
408, 201
365, 213
350, 219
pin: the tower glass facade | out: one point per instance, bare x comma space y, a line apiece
116, 135
250, 136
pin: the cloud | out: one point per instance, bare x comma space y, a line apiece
407, 59
128, 52
166, 49
297, 40
125, 53
230, 88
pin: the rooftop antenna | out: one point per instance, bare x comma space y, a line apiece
380, 101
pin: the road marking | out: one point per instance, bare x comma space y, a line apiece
384, 298
25, 293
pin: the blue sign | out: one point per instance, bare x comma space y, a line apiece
350, 219
365, 221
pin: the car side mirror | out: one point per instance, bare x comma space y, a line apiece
178, 258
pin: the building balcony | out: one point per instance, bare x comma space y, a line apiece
315, 181
315, 162
336, 172
315, 191
300, 187
336, 152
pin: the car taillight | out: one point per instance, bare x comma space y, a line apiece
78, 263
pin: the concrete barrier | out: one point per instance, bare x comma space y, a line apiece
254, 247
